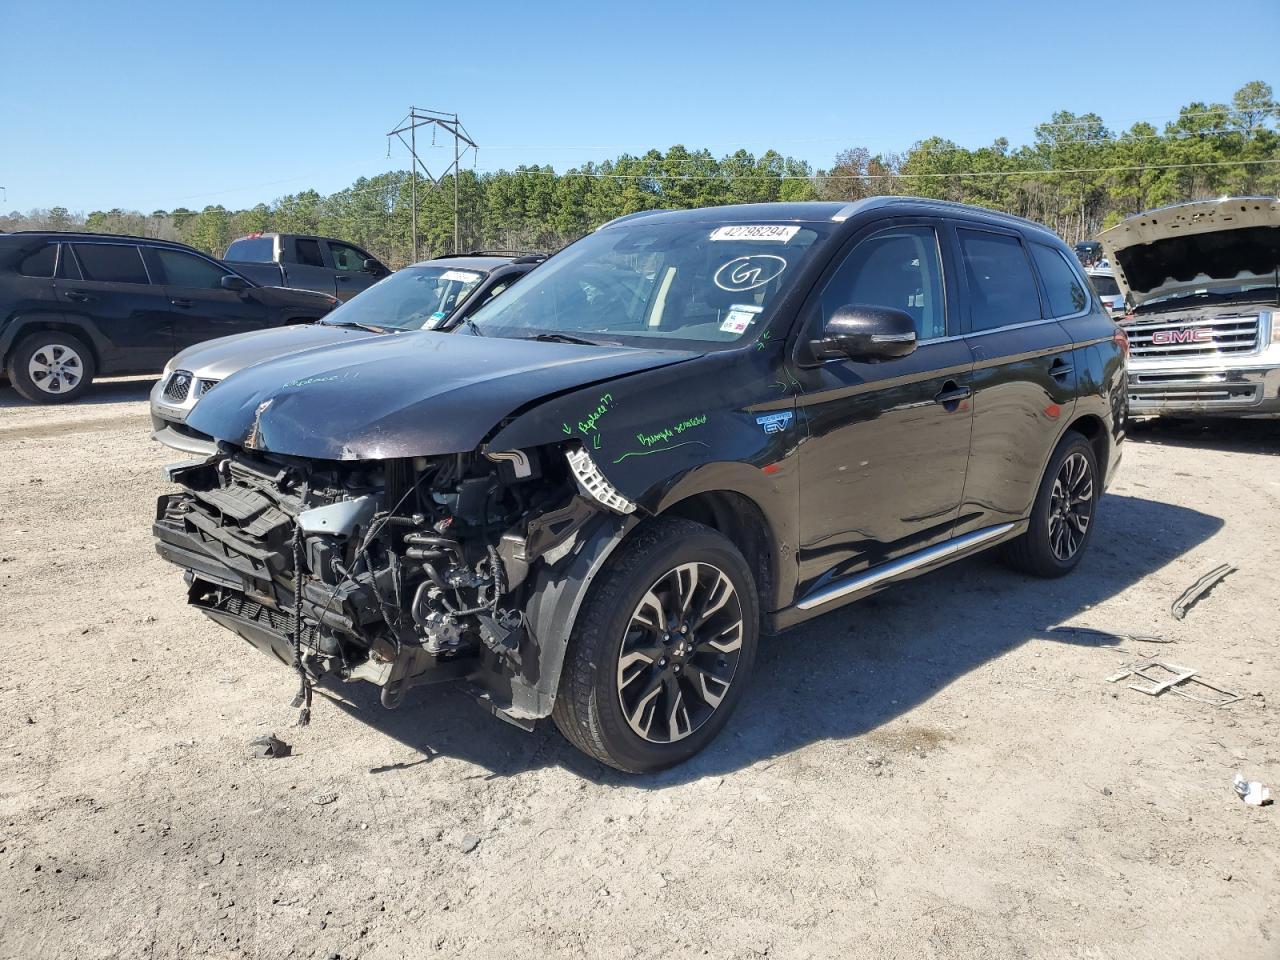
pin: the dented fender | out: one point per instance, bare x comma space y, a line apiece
555, 600
663, 435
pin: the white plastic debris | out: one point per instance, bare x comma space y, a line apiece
1251, 792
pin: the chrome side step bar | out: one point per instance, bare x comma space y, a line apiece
904, 565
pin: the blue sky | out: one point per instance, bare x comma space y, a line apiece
158, 105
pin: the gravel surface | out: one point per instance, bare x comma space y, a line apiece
929, 773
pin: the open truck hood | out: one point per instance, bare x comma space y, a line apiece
410, 394
1203, 245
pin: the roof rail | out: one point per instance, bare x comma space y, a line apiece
493, 253
90, 235
629, 216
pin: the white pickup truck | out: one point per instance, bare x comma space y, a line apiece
1203, 283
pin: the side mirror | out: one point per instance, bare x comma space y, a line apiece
866, 333
232, 282
372, 266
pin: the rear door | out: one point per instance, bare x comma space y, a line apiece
1023, 375
200, 309
107, 282
305, 266
350, 275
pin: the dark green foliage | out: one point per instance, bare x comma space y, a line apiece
1077, 176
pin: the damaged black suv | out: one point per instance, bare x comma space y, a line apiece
683, 431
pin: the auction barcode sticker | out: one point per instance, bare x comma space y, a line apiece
460, 276
764, 231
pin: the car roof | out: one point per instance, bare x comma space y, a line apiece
99, 237
820, 211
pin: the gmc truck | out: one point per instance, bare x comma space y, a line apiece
307, 263
1204, 330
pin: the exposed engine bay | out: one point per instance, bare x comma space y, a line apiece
413, 570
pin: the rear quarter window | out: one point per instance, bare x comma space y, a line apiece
1066, 291
40, 263
252, 250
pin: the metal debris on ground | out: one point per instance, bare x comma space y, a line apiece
1106, 634
1200, 589
1161, 675
1251, 792
269, 747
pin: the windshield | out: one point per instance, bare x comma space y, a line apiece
410, 299
658, 285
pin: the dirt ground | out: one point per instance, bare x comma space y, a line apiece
930, 773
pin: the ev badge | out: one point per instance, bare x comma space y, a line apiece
774, 422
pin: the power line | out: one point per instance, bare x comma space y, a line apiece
436, 120
1047, 171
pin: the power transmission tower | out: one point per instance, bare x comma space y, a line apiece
450, 124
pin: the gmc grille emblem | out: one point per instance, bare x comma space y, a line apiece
1189, 335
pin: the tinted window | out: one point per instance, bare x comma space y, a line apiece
186, 270
40, 263
1063, 285
252, 250
115, 263
309, 253
1106, 286
346, 258
897, 268
1001, 288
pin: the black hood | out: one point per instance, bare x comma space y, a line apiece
294, 297
403, 395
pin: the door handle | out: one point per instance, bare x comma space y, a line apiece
79, 297
342, 278
1060, 369
183, 303
951, 395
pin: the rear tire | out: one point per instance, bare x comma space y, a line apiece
51, 367
662, 648
1064, 513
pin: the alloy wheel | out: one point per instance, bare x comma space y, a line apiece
680, 652
56, 368
1070, 506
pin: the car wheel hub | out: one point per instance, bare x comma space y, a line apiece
1070, 506
680, 652
55, 368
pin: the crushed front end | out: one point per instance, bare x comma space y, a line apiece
413, 570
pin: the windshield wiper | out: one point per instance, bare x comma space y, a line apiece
355, 325
471, 325
563, 338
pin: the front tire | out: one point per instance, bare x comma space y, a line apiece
51, 367
661, 650
1064, 513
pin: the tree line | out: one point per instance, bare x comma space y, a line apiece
1077, 176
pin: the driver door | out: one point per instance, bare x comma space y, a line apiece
350, 275
882, 468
